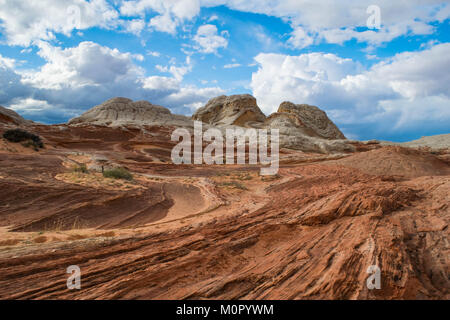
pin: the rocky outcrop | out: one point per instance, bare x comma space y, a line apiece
301, 127
436, 143
238, 110
308, 120
307, 128
118, 112
10, 117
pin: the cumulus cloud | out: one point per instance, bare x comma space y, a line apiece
170, 14
135, 26
340, 21
178, 72
300, 39
75, 79
88, 64
393, 95
11, 86
25, 21
208, 40
331, 21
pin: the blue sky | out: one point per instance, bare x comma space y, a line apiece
380, 69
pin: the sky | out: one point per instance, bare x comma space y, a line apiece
380, 69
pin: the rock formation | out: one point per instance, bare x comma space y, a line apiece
301, 127
10, 117
123, 112
238, 110
307, 119
307, 128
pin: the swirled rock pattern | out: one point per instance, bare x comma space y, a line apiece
219, 232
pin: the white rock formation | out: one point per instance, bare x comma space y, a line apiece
123, 112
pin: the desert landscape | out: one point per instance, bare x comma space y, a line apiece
101, 192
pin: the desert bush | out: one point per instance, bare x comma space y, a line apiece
19, 135
81, 168
233, 184
118, 173
244, 177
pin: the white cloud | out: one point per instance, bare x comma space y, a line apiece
232, 65
153, 53
86, 64
213, 18
394, 93
332, 21
171, 14
164, 23
75, 79
193, 97
177, 72
300, 39
25, 21
208, 40
135, 26
7, 62
338, 21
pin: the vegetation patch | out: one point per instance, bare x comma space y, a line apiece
81, 168
28, 139
233, 184
118, 173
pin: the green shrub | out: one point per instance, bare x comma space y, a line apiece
19, 135
81, 168
118, 173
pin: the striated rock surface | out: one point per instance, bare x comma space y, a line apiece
10, 117
238, 110
219, 232
393, 160
119, 112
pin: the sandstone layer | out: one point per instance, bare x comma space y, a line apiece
219, 232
